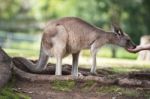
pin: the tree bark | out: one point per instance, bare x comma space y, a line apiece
5, 68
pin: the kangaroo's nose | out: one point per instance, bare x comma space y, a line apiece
134, 45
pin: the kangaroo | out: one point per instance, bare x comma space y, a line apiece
70, 35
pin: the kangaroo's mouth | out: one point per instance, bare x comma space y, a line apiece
131, 47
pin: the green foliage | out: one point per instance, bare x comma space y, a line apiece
133, 15
9, 8
63, 85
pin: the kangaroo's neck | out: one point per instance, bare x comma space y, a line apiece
112, 38
105, 37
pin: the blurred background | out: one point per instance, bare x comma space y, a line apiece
22, 22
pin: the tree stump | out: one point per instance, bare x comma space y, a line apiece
5, 68
145, 54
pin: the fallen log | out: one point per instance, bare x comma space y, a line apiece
48, 76
103, 77
140, 75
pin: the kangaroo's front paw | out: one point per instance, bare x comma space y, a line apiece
77, 74
80, 74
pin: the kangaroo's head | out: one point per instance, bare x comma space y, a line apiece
122, 39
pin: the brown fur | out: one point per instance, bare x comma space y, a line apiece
70, 35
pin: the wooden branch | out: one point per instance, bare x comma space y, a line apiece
43, 77
48, 75
140, 75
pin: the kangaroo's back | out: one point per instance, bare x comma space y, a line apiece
71, 24
80, 33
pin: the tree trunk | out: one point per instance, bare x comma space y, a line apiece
113, 50
145, 54
5, 68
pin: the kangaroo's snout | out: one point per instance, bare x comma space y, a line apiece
131, 45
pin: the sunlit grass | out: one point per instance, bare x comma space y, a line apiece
22, 52
31, 49
116, 64
25, 45
106, 52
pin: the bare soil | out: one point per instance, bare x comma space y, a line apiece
43, 90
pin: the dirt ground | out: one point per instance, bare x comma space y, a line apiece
44, 91
78, 89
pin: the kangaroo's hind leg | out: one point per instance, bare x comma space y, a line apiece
59, 48
75, 57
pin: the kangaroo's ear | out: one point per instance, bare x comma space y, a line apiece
117, 30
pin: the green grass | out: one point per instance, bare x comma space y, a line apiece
122, 70
67, 86
7, 92
30, 45
23, 48
32, 50
122, 53
106, 52
63, 85
86, 86
22, 52
118, 90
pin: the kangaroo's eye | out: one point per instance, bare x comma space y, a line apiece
128, 40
